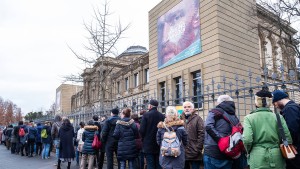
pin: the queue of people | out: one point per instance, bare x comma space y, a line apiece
154, 140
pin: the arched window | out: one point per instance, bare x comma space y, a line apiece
278, 60
269, 55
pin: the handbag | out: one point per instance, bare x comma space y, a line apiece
288, 151
96, 145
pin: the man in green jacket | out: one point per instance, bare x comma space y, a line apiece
261, 136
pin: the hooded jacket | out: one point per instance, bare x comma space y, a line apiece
87, 138
261, 139
217, 127
126, 132
178, 127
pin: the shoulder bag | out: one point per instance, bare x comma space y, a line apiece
288, 151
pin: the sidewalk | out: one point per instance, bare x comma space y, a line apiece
12, 161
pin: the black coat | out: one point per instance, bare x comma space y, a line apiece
66, 148
291, 114
126, 132
148, 130
87, 138
107, 133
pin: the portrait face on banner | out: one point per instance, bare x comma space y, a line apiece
179, 33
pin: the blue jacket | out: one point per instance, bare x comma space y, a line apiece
38, 137
291, 114
126, 132
87, 138
32, 133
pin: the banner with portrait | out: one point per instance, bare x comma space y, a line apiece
179, 33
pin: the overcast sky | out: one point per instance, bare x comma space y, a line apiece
34, 39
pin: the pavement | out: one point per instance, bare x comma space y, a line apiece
12, 161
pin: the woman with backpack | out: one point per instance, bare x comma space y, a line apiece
46, 140
126, 132
88, 153
171, 129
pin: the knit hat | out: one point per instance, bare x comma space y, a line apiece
278, 95
263, 98
115, 111
154, 103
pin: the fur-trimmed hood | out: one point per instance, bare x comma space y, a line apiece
89, 127
124, 123
170, 124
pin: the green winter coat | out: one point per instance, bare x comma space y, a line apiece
261, 139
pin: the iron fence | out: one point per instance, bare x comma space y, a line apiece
242, 90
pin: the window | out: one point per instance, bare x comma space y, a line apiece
163, 95
126, 83
147, 75
118, 87
178, 90
136, 80
197, 89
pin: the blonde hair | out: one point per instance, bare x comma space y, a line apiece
171, 114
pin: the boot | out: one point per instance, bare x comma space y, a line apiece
69, 165
58, 164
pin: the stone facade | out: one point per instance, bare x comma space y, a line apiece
63, 94
234, 38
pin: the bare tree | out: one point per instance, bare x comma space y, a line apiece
2, 112
9, 115
285, 13
102, 40
18, 115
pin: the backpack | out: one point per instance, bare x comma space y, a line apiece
21, 132
170, 145
232, 145
44, 133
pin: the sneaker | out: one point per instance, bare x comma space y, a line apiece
55, 164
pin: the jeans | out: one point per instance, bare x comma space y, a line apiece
192, 164
77, 155
56, 142
131, 164
212, 163
152, 161
45, 151
142, 160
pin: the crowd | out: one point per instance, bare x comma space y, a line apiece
154, 140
